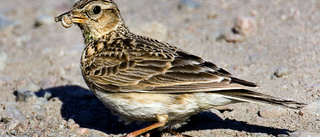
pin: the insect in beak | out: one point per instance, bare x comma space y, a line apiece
70, 17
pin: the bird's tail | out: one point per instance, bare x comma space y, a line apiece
243, 95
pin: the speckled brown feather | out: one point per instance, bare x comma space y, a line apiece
138, 64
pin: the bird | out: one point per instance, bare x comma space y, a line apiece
143, 79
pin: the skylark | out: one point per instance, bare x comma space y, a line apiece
143, 79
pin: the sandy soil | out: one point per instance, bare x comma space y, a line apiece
282, 55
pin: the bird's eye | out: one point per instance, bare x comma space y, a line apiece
96, 10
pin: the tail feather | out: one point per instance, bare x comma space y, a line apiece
243, 95
243, 82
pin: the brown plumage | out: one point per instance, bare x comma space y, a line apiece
143, 79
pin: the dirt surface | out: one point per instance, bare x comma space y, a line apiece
43, 93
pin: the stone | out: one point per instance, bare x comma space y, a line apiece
281, 72
42, 101
229, 36
24, 95
72, 125
83, 131
245, 25
47, 95
13, 113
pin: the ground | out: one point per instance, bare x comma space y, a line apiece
43, 93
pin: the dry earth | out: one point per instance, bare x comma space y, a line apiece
43, 94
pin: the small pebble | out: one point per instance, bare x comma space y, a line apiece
241, 134
229, 36
42, 101
64, 122
24, 95
191, 4
71, 121
47, 95
72, 125
281, 72
83, 131
245, 25
61, 126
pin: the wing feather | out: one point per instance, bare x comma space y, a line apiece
155, 67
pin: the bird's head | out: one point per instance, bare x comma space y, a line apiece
95, 18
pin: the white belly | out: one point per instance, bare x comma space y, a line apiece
144, 106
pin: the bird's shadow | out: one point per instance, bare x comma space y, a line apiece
85, 109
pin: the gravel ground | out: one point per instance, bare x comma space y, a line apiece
273, 43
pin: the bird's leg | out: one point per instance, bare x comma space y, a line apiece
177, 134
162, 120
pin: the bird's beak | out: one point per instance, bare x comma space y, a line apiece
70, 17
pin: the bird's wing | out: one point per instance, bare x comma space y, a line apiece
189, 73
154, 67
